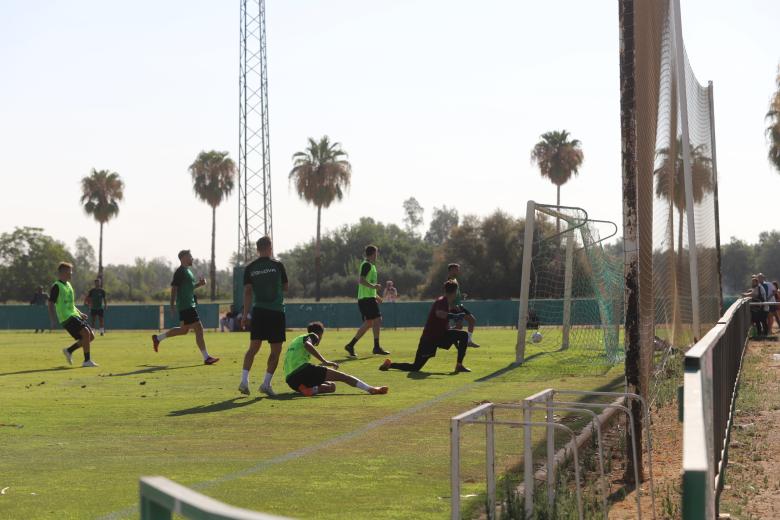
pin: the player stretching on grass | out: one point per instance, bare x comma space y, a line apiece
368, 303
63, 309
96, 299
265, 282
437, 334
183, 300
310, 379
453, 270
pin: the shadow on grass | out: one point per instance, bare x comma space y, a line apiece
426, 375
229, 404
57, 369
152, 368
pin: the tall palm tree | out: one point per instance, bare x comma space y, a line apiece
773, 130
558, 159
101, 192
670, 183
320, 173
212, 180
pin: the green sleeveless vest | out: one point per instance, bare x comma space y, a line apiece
65, 304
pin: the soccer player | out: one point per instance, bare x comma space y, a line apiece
184, 303
62, 308
96, 299
453, 270
265, 282
368, 303
310, 379
437, 334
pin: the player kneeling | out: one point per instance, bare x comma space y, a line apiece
310, 379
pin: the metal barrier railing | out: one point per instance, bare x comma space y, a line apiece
712, 369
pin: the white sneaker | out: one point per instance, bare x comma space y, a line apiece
68, 356
267, 390
244, 389
89, 363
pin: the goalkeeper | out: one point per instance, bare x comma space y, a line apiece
437, 334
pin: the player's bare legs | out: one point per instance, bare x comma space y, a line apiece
249, 358
335, 375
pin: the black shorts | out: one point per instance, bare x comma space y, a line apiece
427, 347
96, 312
309, 375
464, 310
268, 325
369, 308
74, 325
189, 316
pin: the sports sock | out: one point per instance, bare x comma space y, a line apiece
161, 336
470, 337
205, 354
267, 378
315, 390
86, 356
245, 377
352, 342
74, 347
102, 330
360, 384
376, 342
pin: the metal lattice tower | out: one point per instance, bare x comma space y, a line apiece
254, 166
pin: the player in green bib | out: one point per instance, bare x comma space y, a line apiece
62, 309
96, 299
309, 379
184, 305
368, 303
453, 270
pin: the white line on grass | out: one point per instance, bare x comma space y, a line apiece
116, 515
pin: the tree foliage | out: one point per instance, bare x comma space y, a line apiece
413, 214
28, 259
773, 130
444, 219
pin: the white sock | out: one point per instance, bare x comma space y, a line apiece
267, 378
205, 354
360, 384
315, 390
161, 336
102, 330
245, 377
469, 336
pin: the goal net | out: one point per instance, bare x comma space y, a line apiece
572, 289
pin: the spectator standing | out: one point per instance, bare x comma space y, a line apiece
757, 294
769, 289
391, 293
39, 298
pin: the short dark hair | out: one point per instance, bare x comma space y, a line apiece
63, 266
264, 242
450, 286
370, 250
450, 267
315, 327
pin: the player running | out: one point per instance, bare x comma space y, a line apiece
310, 379
184, 302
265, 282
96, 299
453, 270
437, 334
368, 303
62, 308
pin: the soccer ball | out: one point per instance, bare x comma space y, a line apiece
536, 337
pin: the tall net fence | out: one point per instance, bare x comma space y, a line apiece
575, 300
670, 284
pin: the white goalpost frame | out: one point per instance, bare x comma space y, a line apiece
525, 280
567, 283
679, 71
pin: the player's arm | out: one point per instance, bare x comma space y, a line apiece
365, 283
247, 303
314, 352
201, 282
105, 301
53, 294
174, 291
285, 282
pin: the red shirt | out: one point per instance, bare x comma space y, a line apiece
436, 327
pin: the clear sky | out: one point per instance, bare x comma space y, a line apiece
437, 99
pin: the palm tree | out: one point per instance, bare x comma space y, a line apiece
558, 159
212, 180
321, 173
670, 184
101, 193
773, 130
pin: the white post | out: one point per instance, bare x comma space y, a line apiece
714, 155
528, 460
682, 102
490, 452
455, 469
525, 280
567, 282
550, 450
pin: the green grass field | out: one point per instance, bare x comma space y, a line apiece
75, 440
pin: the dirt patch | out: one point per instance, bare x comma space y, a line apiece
752, 488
